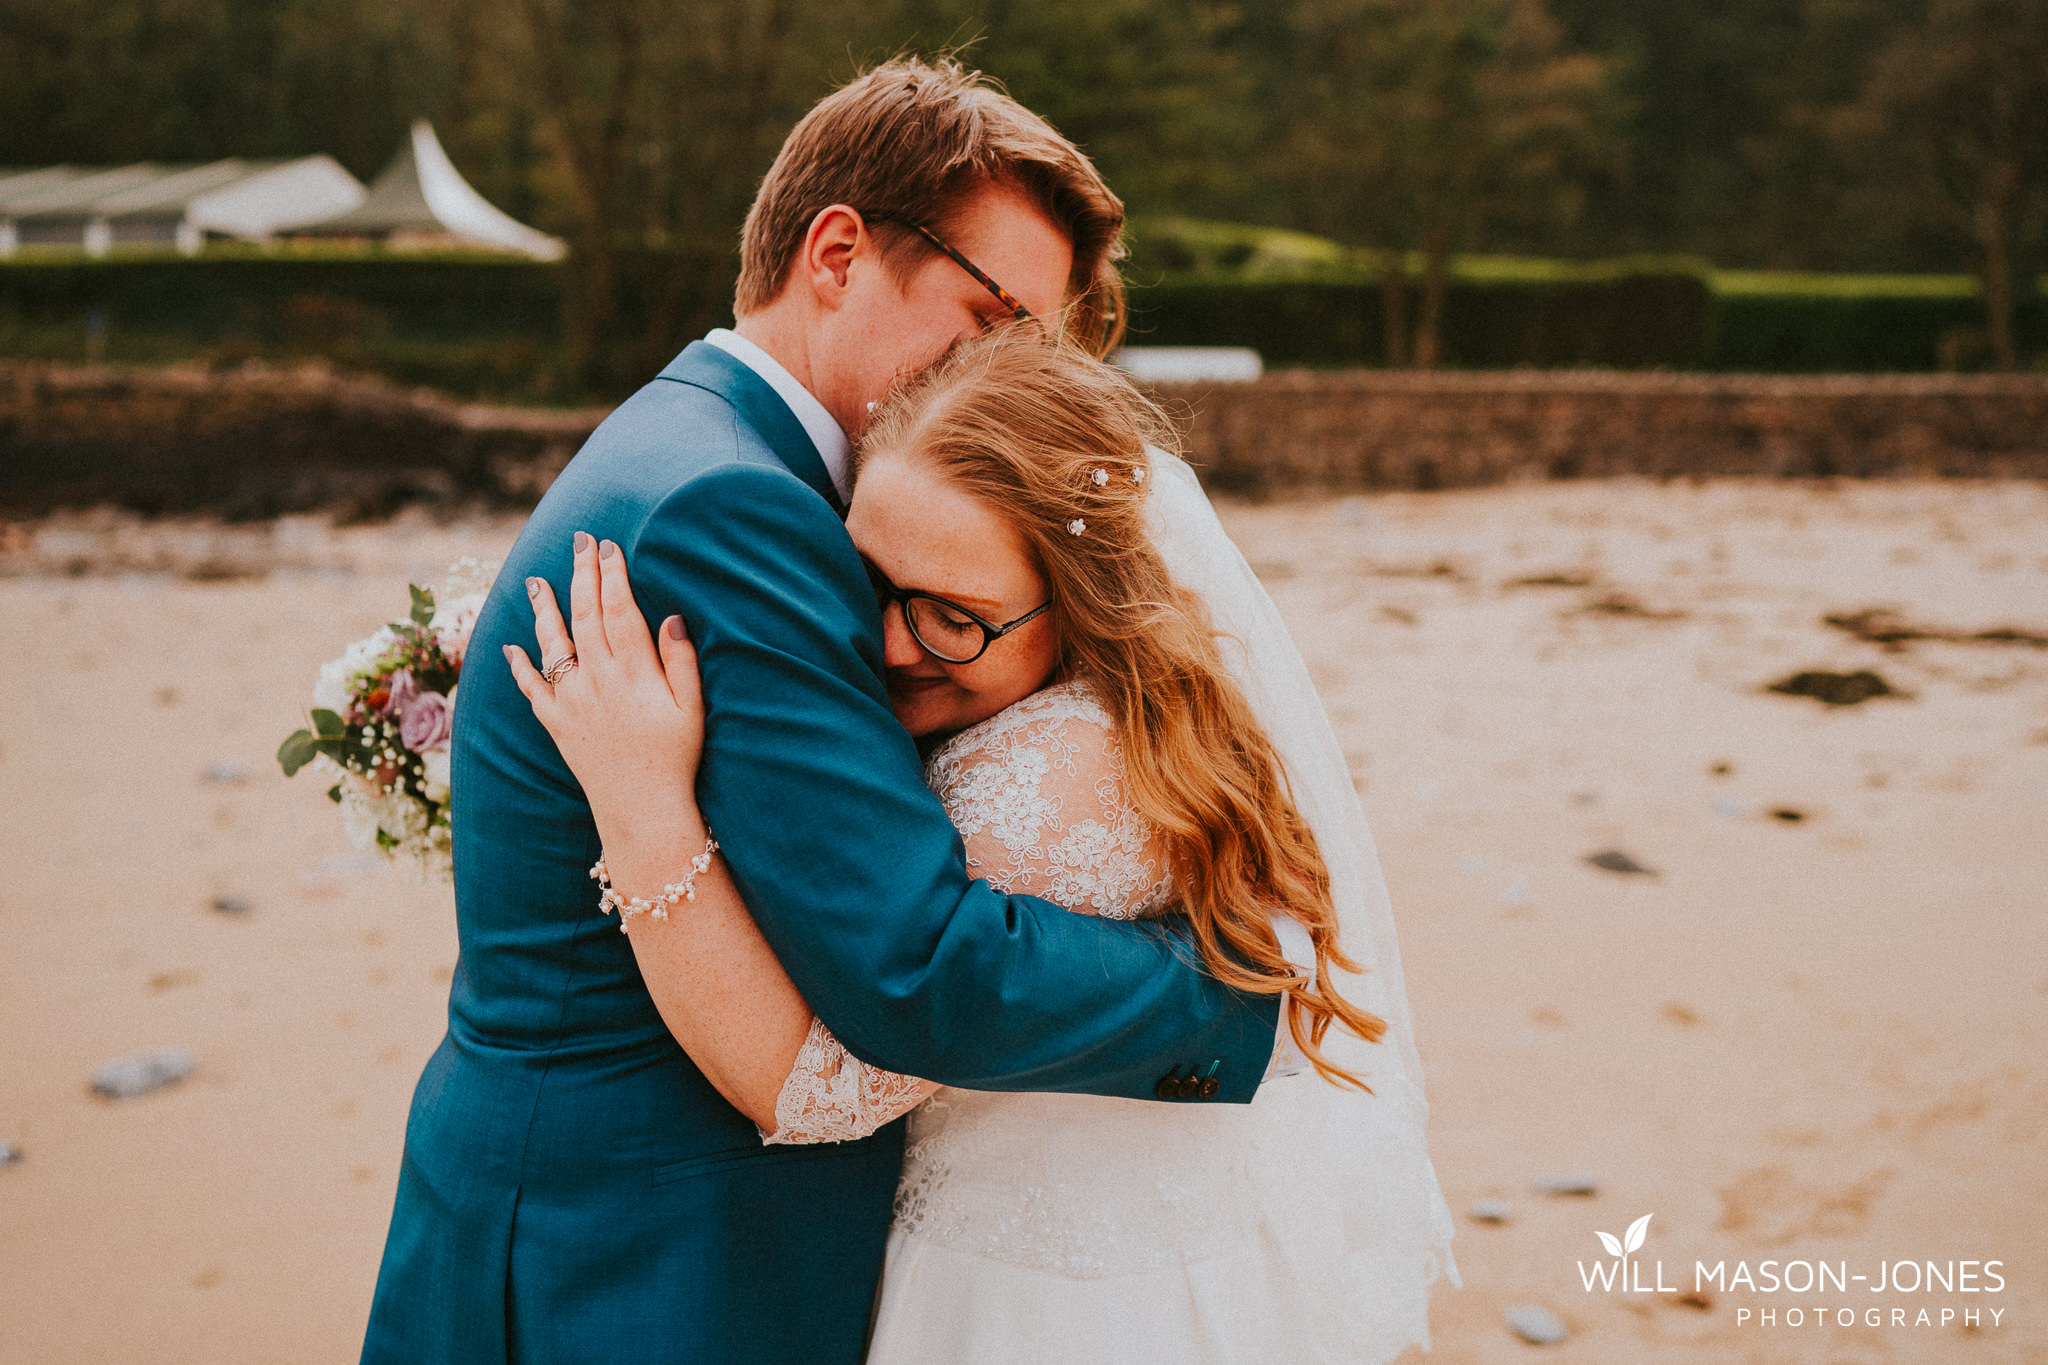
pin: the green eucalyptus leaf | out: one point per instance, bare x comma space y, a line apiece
296, 752
422, 605
327, 724
335, 747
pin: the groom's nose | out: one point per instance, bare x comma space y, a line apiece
900, 648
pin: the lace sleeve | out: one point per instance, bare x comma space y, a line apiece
832, 1096
1038, 795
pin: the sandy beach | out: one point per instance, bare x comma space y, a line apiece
1810, 1030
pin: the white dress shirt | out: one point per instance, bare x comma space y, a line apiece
833, 447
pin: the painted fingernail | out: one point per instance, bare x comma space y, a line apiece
582, 541
533, 587
674, 627
606, 549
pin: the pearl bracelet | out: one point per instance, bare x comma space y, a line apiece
655, 907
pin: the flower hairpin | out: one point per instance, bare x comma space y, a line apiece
1100, 477
1137, 473
1076, 527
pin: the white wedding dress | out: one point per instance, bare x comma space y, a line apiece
1305, 1226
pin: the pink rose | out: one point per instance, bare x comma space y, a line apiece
400, 691
426, 722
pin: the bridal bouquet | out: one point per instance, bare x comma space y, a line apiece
381, 719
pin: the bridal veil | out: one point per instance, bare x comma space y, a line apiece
1352, 1199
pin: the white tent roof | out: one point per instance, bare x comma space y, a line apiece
167, 193
422, 192
20, 185
72, 192
278, 198
237, 197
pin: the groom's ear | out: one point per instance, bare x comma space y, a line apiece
836, 239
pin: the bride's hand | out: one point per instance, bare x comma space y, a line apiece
628, 717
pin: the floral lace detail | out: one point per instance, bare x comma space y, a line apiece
832, 1096
1038, 794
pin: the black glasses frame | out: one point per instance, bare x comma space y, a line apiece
888, 594
981, 277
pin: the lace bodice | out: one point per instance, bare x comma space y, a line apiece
1038, 794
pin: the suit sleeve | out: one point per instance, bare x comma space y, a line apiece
850, 864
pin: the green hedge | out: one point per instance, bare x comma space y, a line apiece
1814, 323
274, 296
1305, 300
1624, 316
493, 327
463, 323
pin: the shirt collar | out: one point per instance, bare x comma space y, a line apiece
833, 447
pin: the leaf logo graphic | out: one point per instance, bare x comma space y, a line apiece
1630, 1240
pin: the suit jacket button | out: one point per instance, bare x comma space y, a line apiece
1168, 1087
1210, 1087
1188, 1088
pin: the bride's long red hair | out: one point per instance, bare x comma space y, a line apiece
1057, 442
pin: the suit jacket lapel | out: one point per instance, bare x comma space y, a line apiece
707, 367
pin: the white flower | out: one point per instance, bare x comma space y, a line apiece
359, 818
428, 856
452, 623
1100, 476
1076, 527
333, 690
403, 816
1137, 473
399, 815
436, 762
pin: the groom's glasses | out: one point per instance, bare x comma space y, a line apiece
1009, 300
945, 630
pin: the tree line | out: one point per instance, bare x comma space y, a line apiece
1863, 135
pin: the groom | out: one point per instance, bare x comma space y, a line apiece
573, 1188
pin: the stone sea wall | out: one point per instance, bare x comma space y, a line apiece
258, 442
1374, 429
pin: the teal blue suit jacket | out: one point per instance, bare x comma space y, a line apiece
572, 1188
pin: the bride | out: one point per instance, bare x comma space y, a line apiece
1116, 722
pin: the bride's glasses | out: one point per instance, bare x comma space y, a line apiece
945, 630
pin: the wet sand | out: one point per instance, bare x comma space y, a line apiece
1796, 1039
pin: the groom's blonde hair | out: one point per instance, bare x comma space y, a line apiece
1057, 442
912, 141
